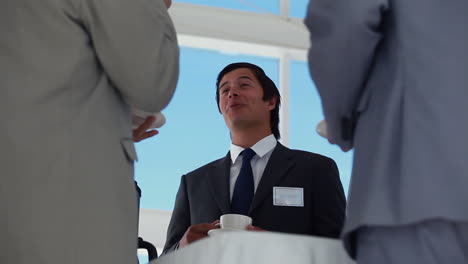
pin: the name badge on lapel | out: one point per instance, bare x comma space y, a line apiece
288, 196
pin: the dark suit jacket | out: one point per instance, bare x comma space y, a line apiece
204, 196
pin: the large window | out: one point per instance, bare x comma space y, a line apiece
297, 8
195, 133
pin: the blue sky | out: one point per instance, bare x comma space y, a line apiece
297, 7
195, 133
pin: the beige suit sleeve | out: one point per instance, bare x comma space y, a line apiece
136, 44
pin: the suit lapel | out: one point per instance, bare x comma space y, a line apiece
277, 167
218, 178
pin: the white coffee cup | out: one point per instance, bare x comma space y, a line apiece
235, 221
322, 129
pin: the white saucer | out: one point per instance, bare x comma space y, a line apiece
140, 116
216, 231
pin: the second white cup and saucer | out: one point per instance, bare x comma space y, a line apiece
231, 223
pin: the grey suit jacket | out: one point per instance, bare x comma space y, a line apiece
68, 72
392, 75
203, 196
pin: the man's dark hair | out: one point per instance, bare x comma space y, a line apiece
269, 90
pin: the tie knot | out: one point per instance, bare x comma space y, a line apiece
247, 154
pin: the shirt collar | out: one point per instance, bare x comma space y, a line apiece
261, 148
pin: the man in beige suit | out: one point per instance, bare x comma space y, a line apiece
69, 72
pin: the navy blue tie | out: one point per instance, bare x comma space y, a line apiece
244, 188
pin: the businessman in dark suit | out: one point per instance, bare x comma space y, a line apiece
292, 191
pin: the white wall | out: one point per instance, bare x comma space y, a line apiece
153, 226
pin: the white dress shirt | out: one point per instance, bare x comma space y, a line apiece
263, 150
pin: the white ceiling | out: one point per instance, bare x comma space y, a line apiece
235, 31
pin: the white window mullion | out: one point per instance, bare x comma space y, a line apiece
284, 91
284, 8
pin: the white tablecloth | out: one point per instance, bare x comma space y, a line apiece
259, 247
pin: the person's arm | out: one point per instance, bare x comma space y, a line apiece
181, 232
344, 38
136, 44
196, 232
180, 220
329, 200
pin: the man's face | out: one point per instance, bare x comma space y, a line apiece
240, 99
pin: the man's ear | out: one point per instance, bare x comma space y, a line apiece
272, 102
